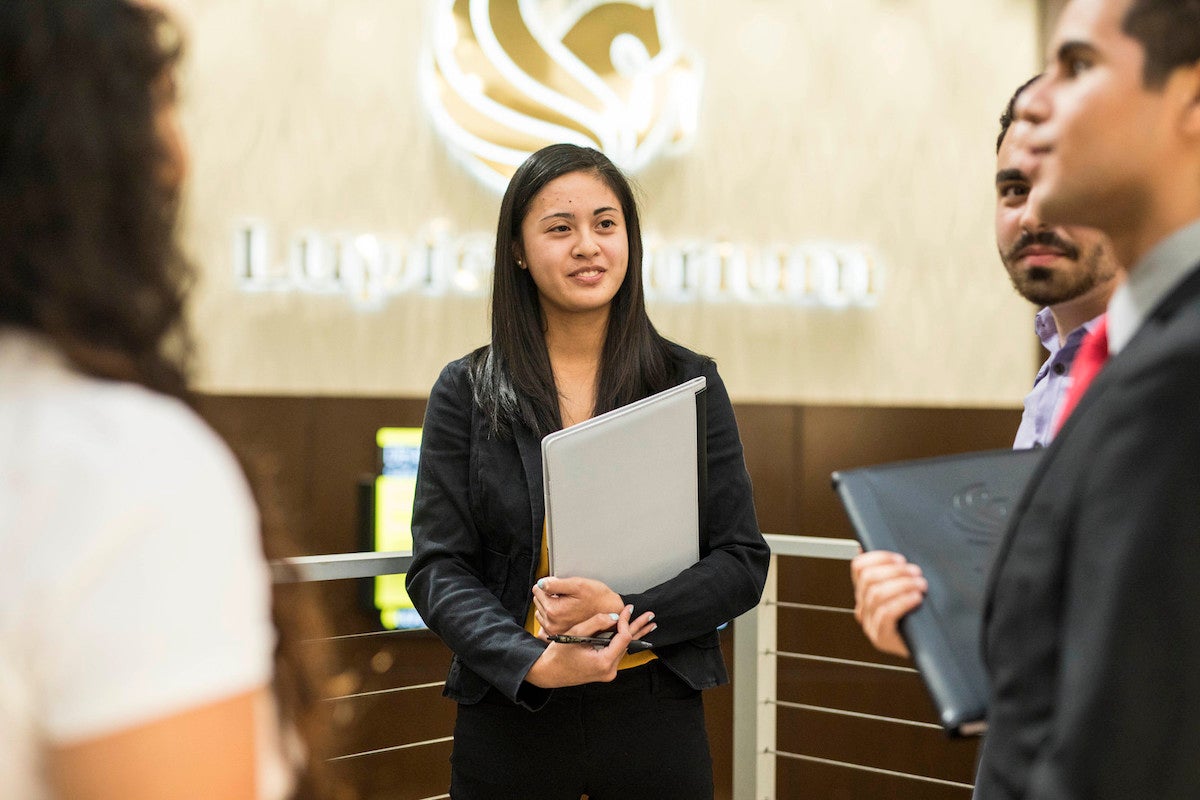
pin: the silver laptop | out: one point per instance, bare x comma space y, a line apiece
623, 491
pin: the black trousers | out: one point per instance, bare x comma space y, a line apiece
641, 736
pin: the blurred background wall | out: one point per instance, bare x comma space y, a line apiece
868, 122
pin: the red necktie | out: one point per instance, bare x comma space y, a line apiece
1093, 352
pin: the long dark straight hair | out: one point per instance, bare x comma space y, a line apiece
511, 378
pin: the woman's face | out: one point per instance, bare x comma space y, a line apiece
574, 244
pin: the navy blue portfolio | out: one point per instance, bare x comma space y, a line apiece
946, 515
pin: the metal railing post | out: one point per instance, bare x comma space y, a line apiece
754, 690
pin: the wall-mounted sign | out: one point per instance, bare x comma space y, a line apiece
369, 269
504, 78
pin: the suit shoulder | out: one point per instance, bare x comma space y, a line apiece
1172, 354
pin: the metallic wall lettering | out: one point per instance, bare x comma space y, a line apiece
369, 268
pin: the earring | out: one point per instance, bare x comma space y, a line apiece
520, 263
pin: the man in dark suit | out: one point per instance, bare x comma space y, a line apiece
1092, 627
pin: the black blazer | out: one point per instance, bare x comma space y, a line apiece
1092, 626
477, 533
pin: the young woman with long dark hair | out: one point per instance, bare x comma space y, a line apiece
137, 644
570, 339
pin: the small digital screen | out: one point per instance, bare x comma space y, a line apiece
395, 486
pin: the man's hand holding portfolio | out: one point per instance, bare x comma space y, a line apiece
886, 587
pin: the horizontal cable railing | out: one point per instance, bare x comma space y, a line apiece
393, 690
755, 683
840, 712
845, 662
345, 566
392, 749
755, 701
829, 762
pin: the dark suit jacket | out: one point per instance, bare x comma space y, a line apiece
477, 532
1092, 627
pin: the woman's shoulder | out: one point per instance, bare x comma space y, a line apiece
688, 363
120, 435
122, 427
456, 383
118, 460
462, 373
462, 367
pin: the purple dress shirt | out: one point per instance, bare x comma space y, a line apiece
1050, 386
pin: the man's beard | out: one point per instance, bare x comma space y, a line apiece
1048, 287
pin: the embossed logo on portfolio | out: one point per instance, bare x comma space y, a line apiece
503, 78
976, 510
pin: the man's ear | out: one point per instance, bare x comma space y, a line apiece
1186, 81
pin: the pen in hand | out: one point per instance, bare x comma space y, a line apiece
635, 646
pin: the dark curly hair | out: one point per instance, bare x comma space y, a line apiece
1010, 111
88, 255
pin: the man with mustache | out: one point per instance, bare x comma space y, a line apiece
1091, 629
1071, 272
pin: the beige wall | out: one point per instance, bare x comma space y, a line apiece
1050, 9
851, 120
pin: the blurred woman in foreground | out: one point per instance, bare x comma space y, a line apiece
136, 639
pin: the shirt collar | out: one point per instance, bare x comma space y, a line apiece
1047, 329
1151, 280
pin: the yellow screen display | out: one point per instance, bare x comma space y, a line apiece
394, 490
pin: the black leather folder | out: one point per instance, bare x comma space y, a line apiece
946, 515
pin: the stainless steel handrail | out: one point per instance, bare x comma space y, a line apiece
339, 566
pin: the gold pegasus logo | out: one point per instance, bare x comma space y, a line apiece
503, 78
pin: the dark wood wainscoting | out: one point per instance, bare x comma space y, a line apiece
314, 450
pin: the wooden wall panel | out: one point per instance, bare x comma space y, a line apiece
403, 774
772, 438
844, 437
919, 751
312, 452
